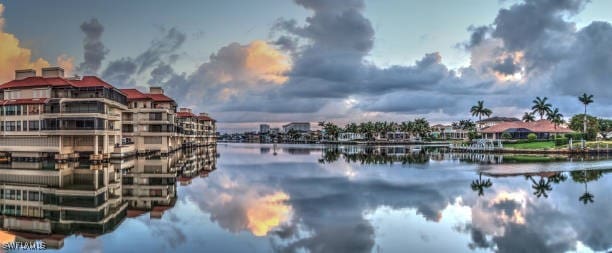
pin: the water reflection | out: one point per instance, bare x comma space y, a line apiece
264, 198
45, 200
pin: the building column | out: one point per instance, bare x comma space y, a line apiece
105, 144
95, 144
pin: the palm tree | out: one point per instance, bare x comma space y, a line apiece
479, 110
541, 107
479, 185
585, 100
556, 117
528, 117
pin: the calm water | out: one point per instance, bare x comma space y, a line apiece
351, 199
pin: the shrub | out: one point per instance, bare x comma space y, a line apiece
575, 136
560, 141
532, 137
473, 135
506, 136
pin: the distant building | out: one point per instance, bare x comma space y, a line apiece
351, 136
297, 126
274, 130
448, 132
264, 128
543, 129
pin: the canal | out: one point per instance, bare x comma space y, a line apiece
310, 198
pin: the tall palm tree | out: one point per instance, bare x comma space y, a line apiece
556, 117
540, 106
480, 110
585, 100
528, 117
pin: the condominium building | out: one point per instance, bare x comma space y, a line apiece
149, 121
195, 130
56, 136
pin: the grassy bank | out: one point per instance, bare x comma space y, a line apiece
531, 145
532, 159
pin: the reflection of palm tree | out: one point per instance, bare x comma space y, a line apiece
585, 177
479, 185
541, 187
586, 197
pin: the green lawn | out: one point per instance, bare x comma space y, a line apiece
531, 159
531, 145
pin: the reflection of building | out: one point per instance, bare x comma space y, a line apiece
150, 181
45, 197
297, 126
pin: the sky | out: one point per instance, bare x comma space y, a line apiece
277, 61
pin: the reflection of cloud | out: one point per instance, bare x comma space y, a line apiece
93, 246
236, 206
267, 213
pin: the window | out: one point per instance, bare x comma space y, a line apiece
33, 125
13, 110
10, 126
33, 196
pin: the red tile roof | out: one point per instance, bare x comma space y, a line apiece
134, 94
540, 126
205, 118
90, 81
185, 114
24, 101
38, 81
160, 98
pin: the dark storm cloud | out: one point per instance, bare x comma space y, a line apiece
506, 66
161, 73
169, 43
533, 20
479, 34
286, 43
589, 66
120, 72
93, 48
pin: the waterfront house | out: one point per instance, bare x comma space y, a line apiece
348, 136
492, 121
448, 132
543, 129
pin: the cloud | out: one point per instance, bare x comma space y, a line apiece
94, 51
13, 55
169, 43
124, 72
120, 72
67, 63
